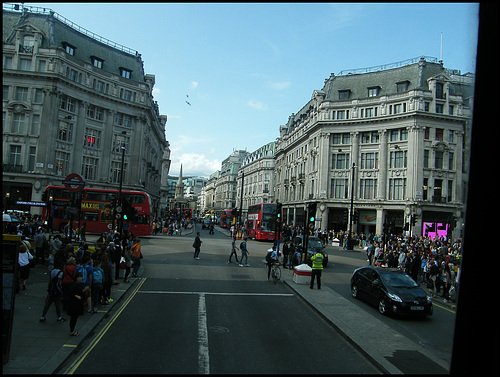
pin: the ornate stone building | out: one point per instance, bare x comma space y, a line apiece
397, 136
71, 101
257, 175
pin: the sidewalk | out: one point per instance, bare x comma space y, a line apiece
39, 348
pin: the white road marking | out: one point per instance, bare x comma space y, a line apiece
218, 293
203, 357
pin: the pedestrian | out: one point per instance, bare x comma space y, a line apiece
108, 279
286, 252
54, 295
136, 255
40, 240
83, 231
197, 244
370, 252
97, 284
128, 264
24, 264
271, 258
244, 253
431, 283
76, 302
69, 272
317, 267
233, 251
86, 270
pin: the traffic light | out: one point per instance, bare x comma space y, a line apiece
355, 217
345, 216
278, 210
311, 213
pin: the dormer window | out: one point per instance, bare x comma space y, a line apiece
96, 62
402, 86
125, 73
344, 94
69, 48
28, 44
373, 91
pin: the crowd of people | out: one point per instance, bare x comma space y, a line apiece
80, 281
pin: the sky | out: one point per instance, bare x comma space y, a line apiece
229, 74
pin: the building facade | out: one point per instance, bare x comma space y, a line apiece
225, 186
257, 176
394, 141
71, 101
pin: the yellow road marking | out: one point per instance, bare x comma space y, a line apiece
74, 366
444, 307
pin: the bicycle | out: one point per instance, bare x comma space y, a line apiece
275, 272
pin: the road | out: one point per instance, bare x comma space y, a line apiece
207, 316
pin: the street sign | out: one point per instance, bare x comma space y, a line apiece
74, 182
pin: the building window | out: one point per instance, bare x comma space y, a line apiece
89, 168
69, 48
123, 120
450, 109
120, 140
426, 158
25, 64
450, 191
5, 94
96, 62
41, 65
32, 159
369, 160
340, 161
397, 188
399, 159
95, 112
438, 161
344, 94
18, 123
21, 94
440, 90
373, 92
67, 103
28, 44
450, 161
62, 163
402, 86
65, 131
439, 134
368, 188
15, 155
426, 106
439, 108
451, 135
115, 171
92, 138
125, 73
339, 188
35, 124
38, 96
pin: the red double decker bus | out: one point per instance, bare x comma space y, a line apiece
96, 210
258, 221
226, 218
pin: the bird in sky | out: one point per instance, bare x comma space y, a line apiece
187, 96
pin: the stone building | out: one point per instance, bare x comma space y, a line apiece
71, 101
257, 175
398, 136
225, 186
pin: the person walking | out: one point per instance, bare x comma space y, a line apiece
317, 267
244, 253
136, 256
197, 244
286, 251
76, 302
54, 295
233, 251
271, 258
68, 279
370, 251
40, 240
24, 264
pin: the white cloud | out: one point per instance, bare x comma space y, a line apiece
156, 91
193, 85
256, 105
280, 85
193, 164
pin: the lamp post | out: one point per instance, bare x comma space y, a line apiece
120, 220
350, 244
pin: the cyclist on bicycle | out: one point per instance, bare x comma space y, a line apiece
271, 258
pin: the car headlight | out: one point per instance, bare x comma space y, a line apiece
429, 299
394, 297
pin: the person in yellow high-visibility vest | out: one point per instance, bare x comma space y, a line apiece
317, 267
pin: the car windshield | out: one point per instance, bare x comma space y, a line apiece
397, 279
315, 244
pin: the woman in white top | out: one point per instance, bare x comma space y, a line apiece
24, 264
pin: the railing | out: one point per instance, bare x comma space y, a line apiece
12, 168
387, 66
48, 11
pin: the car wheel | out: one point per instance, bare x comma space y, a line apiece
354, 291
382, 307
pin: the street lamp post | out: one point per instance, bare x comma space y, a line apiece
120, 220
350, 244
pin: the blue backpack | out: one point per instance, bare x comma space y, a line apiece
81, 269
98, 276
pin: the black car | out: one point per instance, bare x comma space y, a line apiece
314, 245
391, 289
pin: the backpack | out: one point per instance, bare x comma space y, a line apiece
243, 246
268, 257
81, 269
98, 276
54, 288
